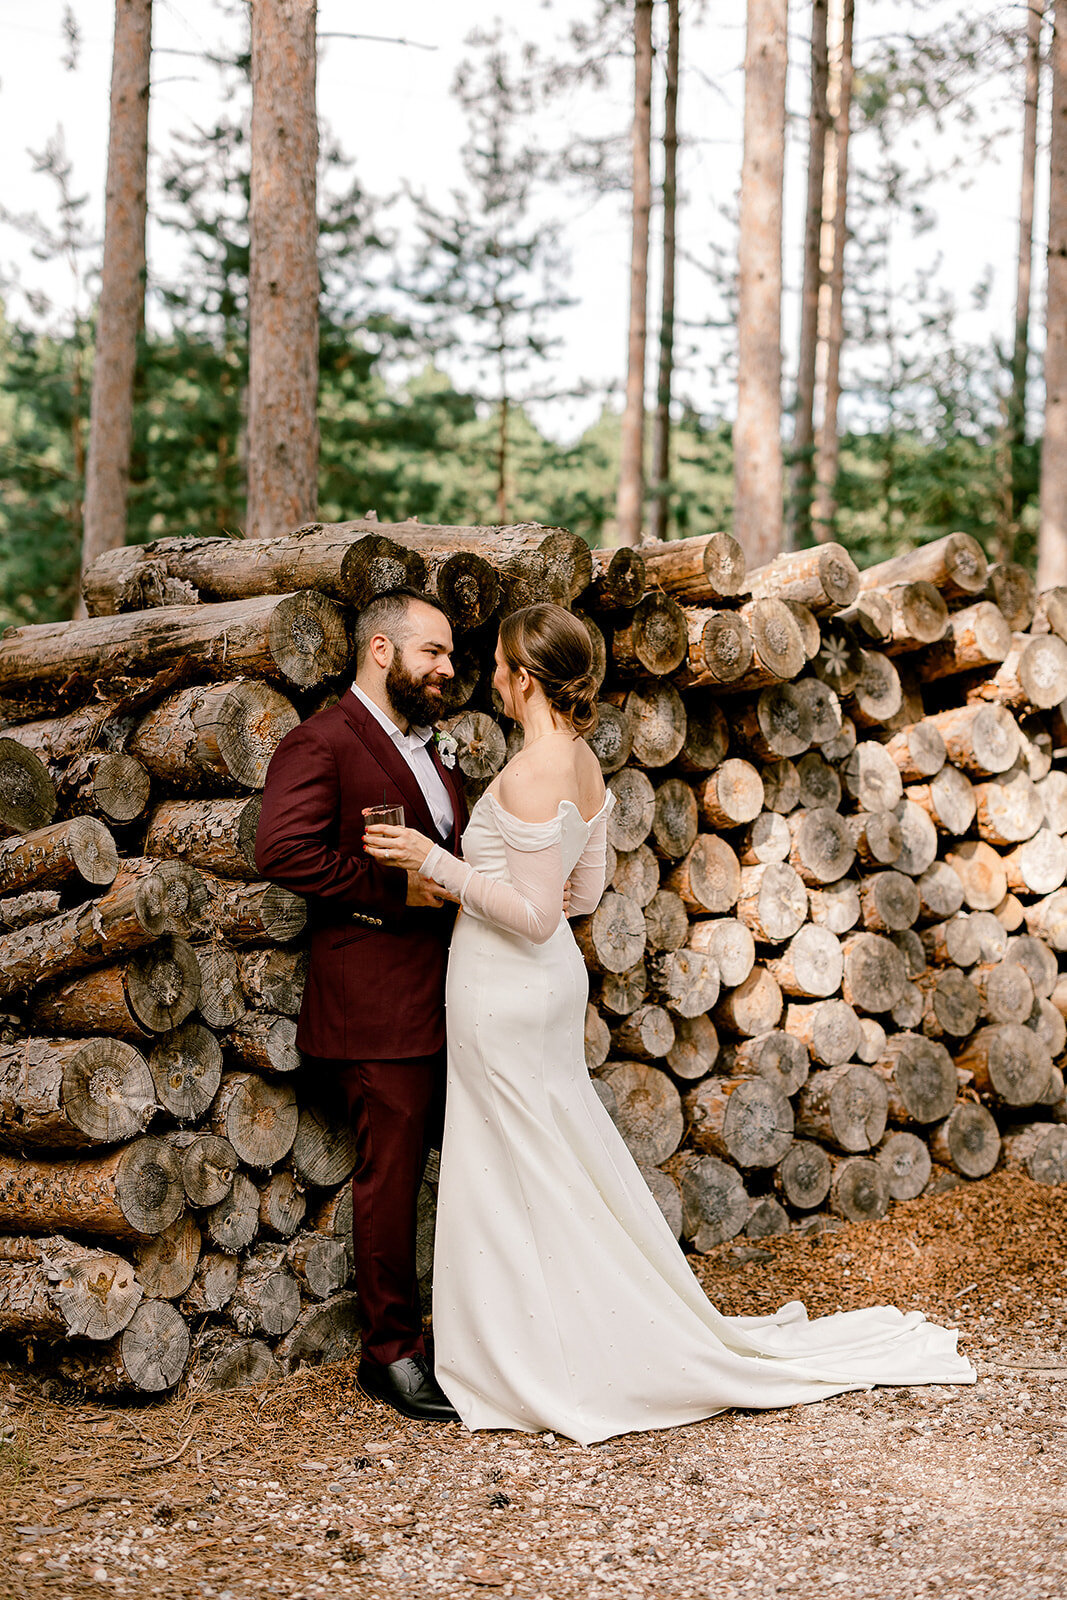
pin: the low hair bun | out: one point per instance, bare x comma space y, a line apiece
555, 648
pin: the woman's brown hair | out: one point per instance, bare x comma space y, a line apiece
555, 648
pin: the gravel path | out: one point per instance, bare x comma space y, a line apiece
306, 1489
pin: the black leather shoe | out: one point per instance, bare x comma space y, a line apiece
409, 1387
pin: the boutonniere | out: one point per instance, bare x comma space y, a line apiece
446, 748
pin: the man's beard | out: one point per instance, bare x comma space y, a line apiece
410, 696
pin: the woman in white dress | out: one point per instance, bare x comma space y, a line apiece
561, 1298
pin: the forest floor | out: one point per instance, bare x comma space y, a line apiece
305, 1489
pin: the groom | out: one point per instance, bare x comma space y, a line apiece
372, 1019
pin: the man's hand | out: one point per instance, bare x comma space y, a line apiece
421, 892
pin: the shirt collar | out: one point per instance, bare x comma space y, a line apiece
414, 736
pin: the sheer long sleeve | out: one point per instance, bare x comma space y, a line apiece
532, 903
589, 875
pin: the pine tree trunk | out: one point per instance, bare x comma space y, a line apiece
1016, 418
659, 509
120, 310
1052, 541
802, 469
826, 444
630, 506
757, 431
283, 290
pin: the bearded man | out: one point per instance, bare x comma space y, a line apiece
372, 1021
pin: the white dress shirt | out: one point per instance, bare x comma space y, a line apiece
414, 747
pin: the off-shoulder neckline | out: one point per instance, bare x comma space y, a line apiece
524, 822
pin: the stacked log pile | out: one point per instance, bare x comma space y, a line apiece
824, 974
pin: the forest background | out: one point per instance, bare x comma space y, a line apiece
458, 381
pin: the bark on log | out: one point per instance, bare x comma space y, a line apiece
18, 911
265, 1043
47, 857
719, 649
166, 1262
747, 1120
320, 1264
696, 570
619, 579
147, 1357
802, 1177
154, 991
646, 1035
772, 902
654, 640
731, 795
918, 750
120, 921
294, 638
981, 739
185, 891
1008, 1061
121, 1194
252, 913
214, 1282
686, 981
859, 1190
710, 878
1033, 673
825, 578
68, 1094
905, 1160
329, 1330
955, 565
920, 1078
976, 637
829, 1030
648, 1110
967, 1141
273, 979
730, 945
216, 835
918, 616
811, 966
56, 1289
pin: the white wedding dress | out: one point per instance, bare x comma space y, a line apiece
561, 1299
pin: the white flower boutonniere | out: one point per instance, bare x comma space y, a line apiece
446, 748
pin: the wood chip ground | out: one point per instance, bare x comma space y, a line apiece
305, 1489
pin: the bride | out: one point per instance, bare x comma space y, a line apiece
561, 1298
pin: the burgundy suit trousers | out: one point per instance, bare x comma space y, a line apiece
394, 1108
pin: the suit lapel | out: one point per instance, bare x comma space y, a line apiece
379, 745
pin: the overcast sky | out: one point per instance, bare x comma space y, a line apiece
391, 109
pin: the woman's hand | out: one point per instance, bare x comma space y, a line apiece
397, 847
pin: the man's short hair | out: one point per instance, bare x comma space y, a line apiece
389, 614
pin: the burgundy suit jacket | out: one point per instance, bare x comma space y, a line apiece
376, 984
